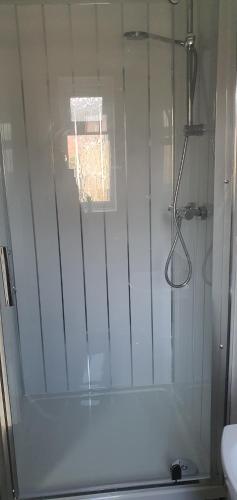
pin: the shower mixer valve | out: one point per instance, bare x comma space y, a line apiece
191, 210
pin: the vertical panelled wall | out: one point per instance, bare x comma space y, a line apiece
192, 311
94, 309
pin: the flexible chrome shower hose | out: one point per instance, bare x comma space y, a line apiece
177, 216
178, 222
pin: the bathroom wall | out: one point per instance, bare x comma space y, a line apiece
93, 305
94, 309
192, 307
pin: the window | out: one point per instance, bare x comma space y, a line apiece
89, 152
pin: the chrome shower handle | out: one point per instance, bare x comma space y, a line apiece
6, 276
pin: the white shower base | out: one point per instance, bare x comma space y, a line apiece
69, 443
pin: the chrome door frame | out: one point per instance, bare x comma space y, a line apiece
8, 478
232, 375
224, 207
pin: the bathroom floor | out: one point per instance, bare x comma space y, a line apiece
67, 443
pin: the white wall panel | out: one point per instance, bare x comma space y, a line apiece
192, 305
60, 71
137, 137
19, 205
33, 56
87, 83
110, 54
183, 299
161, 120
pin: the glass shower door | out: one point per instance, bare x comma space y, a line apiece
113, 386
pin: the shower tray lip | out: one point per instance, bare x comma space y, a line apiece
99, 391
117, 489
187, 490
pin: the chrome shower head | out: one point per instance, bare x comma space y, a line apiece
136, 35
144, 35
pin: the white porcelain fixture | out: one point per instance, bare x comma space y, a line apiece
229, 459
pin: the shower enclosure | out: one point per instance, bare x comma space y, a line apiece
106, 368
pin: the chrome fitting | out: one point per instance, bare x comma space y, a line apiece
190, 41
194, 129
189, 211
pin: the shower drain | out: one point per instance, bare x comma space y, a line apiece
182, 468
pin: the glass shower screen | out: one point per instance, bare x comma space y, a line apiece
110, 382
